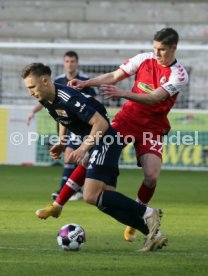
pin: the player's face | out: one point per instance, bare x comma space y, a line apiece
37, 87
70, 64
165, 54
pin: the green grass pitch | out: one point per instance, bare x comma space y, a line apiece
28, 245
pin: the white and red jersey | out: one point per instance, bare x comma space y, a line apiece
149, 75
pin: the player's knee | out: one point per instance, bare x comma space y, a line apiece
150, 180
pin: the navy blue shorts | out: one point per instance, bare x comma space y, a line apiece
104, 159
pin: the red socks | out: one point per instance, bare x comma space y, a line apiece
73, 184
145, 194
78, 175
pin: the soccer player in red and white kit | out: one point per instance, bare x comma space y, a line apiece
159, 78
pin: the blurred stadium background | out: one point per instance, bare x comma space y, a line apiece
104, 33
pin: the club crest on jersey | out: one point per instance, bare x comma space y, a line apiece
61, 112
163, 80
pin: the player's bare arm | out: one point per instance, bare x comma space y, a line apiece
31, 115
99, 127
109, 78
110, 91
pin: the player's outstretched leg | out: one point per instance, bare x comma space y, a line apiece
73, 184
129, 212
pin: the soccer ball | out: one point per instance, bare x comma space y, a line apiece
71, 237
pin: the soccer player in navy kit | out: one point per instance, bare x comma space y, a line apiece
87, 118
71, 64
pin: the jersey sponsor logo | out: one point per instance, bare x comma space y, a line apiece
77, 104
144, 87
163, 80
81, 107
61, 112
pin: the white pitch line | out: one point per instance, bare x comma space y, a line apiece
27, 249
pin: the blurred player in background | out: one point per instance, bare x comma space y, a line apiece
159, 78
71, 67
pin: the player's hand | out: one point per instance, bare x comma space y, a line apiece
112, 91
56, 151
76, 84
29, 118
76, 156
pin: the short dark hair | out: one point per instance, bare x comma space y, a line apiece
37, 69
167, 36
71, 54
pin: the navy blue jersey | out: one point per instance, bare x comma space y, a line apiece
74, 109
62, 79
